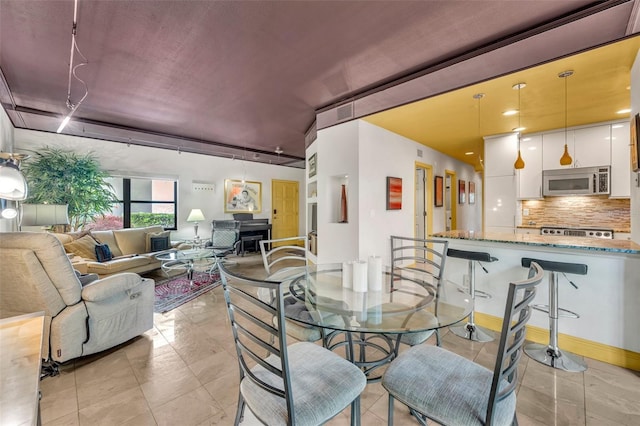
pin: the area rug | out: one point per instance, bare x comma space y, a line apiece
176, 291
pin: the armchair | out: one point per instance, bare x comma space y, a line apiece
36, 275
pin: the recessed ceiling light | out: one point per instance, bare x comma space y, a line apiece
624, 111
510, 112
518, 129
617, 126
469, 153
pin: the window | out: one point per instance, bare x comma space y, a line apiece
142, 202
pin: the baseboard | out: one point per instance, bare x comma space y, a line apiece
609, 354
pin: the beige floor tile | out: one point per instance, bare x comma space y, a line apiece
115, 409
68, 420
172, 385
151, 344
191, 408
55, 405
214, 366
95, 384
224, 389
613, 395
541, 407
148, 368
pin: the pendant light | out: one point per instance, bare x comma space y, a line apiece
566, 159
477, 97
519, 164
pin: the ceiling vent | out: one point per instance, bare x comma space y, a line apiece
344, 112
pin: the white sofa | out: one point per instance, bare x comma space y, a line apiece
130, 248
38, 276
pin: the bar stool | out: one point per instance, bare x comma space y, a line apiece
470, 330
551, 355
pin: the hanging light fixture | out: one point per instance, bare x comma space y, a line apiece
519, 164
477, 97
72, 71
13, 185
566, 159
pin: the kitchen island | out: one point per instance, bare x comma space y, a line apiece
607, 298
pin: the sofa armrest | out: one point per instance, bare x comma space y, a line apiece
112, 285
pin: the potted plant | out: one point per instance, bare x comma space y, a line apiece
56, 176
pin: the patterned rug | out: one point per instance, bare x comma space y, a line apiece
176, 291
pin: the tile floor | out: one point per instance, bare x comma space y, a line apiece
183, 372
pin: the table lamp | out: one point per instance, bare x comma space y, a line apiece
196, 216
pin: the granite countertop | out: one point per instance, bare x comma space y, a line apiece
580, 243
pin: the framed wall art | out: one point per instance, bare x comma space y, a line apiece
242, 197
313, 165
462, 192
635, 143
438, 189
394, 193
472, 192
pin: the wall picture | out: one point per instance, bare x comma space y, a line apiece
313, 165
635, 143
394, 193
242, 197
472, 192
438, 191
462, 192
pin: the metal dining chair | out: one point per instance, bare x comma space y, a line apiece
451, 390
422, 256
301, 384
280, 257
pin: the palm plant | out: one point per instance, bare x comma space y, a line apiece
56, 176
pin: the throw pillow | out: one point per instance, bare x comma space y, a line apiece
159, 243
103, 253
163, 234
83, 247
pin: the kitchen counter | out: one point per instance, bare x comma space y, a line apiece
536, 226
606, 298
564, 242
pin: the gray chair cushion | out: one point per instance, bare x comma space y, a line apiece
303, 332
413, 339
447, 387
323, 384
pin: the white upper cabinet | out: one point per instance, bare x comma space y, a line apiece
553, 148
500, 153
592, 146
588, 147
620, 161
530, 178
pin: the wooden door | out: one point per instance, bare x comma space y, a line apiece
284, 214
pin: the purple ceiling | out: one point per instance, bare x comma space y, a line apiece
236, 77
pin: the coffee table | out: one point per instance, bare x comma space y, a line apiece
188, 260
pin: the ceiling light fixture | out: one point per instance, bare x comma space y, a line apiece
279, 150
519, 164
624, 111
566, 159
510, 112
469, 153
72, 71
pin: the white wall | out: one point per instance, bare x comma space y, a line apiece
6, 132
368, 154
185, 167
635, 177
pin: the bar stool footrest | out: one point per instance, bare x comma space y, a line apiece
562, 313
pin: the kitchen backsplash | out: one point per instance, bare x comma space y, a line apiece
591, 211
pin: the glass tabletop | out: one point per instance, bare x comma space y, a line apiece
186, 255
409, 303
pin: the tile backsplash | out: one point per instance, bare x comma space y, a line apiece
589, 211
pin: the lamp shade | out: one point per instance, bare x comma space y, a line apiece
44, 214
13, 185
195, 215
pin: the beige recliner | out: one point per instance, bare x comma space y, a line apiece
36, 275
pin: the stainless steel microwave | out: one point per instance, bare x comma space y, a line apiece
579, 181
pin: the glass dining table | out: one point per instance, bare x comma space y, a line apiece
370, 324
